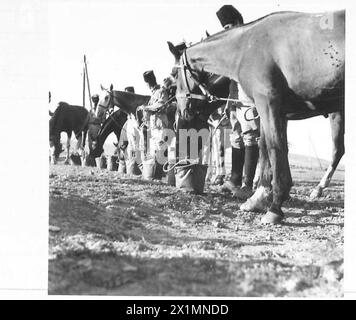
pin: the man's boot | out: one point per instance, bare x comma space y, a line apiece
251, 159
237, 164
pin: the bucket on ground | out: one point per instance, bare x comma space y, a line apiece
89, 161
190, 176
132, 167
168, 168
75, 159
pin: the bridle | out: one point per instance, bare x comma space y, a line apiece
206, 95
110, 104
184, 66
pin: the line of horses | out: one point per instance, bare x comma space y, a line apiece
290, 64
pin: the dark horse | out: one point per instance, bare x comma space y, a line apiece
67, 118
288, 63
114, 123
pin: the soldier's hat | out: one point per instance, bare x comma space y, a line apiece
130, 89
149, 77
228, 14
95, 97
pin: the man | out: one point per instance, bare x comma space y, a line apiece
95, 122
245, 134
153, 116
122, 145
217, 128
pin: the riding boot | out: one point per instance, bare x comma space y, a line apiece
237, 164
251, 159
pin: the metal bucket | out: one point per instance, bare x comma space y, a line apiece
132, 167
148, 169
168, 168
101, 162
90, 161
112, 163
190, 176
121, 166
75, 160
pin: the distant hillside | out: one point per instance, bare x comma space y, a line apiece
301, 161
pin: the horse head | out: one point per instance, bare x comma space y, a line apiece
195, 88
106, 101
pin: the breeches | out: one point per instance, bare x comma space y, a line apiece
244, 133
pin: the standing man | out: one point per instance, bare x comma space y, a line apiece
95, 122
122, 146
245, 134
217, 127
156, 119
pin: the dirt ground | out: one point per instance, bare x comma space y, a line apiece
112, 235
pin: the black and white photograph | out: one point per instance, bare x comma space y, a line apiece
194, 148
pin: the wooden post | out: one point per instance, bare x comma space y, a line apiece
83, 87
86, 72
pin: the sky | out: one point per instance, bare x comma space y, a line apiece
122, 39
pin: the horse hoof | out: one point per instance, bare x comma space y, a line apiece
316, 193
272, 218
253, 205
243, 193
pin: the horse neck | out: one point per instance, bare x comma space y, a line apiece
219, 54
124, 105
108, 127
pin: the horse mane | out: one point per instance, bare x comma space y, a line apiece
131, 100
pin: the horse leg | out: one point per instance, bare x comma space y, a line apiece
275, 129
69, 136
53, 154
259, 200
338, 150
79, 146
83, 154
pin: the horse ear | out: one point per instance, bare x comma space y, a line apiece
207, 33
101, 86
111, 87
173, 49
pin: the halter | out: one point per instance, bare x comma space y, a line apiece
206, 95
110, 103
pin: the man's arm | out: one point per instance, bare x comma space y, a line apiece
161, 97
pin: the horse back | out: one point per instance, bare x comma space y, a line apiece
69, 118
302, 55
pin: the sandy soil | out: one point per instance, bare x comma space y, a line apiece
112, 235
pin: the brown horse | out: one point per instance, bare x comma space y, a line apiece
67, 118
287, 63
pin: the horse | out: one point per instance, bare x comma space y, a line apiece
67, 118
300, 75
